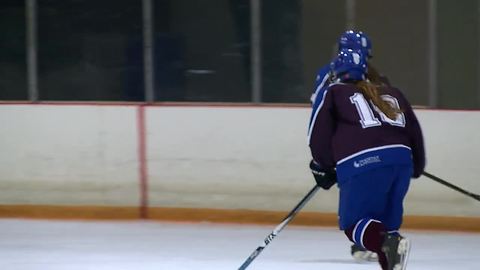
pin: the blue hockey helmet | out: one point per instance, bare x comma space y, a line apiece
355, 40
349, 65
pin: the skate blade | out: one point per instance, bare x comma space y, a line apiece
404, 252
365, 256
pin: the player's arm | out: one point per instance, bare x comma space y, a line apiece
320, 137
416, 139
321, 132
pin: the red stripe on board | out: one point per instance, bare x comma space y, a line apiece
142, 160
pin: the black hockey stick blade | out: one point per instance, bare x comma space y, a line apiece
452, 186
279, 228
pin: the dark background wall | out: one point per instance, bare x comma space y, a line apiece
399, 33
93, 50
458, 54
322, 23
13, 67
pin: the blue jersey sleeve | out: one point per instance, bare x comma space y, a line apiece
321, 84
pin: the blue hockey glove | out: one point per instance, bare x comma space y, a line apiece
325, 178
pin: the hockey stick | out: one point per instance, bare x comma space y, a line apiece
452, 186
279, 228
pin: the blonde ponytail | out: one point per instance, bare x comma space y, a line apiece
370, 91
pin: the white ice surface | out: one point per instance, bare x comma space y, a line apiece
140, 245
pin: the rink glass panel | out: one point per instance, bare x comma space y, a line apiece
202, 50
13, 69
90, 50
94, 50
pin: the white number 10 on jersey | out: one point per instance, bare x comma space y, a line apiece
368, 119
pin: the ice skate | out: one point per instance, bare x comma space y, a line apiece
362, 255
396, 249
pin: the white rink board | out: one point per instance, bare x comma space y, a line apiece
453, 150
68, 155
204, 156
257, 158
221, 157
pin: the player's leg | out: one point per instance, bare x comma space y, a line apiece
396, 247
370, 234
359, 210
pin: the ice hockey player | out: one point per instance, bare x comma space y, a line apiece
355, 40
367, 139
